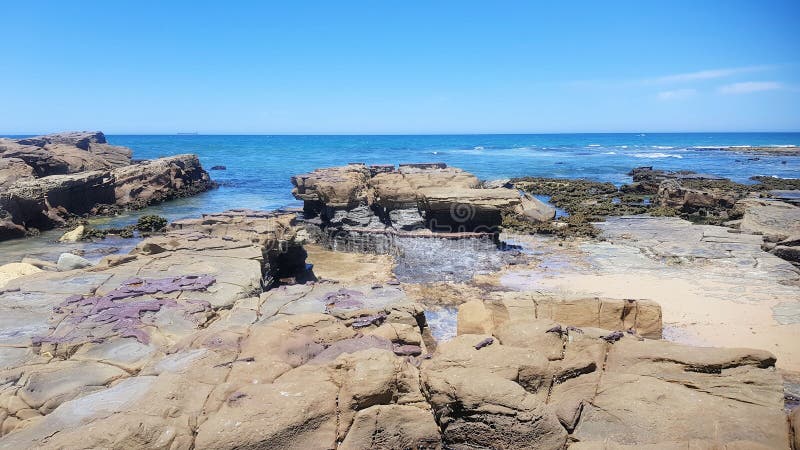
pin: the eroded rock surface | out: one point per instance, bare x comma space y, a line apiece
363, 208
48, 179
193, 341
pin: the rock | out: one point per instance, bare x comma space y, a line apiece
68, 261
391, 427
294, 414
794, 421
479, 410
361, 208
12, 170
496, 184
46, 202
671, 194
80, 139
687, 379
219, 168
13, 271
535, 210
788, 253
774, 219
73, 236
65, 153
475, 318
532, 333
44, 265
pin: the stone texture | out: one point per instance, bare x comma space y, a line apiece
774, 219
12, 271
68, 261
47, 202
235, 359
363, 208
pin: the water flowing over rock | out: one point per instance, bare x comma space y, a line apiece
190, 342
364, 208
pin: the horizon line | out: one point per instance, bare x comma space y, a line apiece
189, 134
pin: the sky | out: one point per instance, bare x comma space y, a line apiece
399, 67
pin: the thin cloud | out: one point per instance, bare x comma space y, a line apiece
748, 87
678, 78
710, 74
676, 94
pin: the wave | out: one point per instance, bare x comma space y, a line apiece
663, 147
477, 147
593, 145
609, 153
656, 155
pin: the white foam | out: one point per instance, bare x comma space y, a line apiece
609, 153
593, 145
656, 155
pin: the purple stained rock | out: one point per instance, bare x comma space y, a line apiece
86, 313
139, 334
344, 299
484, 343
407, 350
366, 321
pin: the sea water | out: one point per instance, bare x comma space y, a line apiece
259, 167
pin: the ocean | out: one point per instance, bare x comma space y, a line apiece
259, 166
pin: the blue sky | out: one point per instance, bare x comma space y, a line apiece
399, 67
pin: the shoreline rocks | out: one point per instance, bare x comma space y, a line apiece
197, 351
58, 188
361, 207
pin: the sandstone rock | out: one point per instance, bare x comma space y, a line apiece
12, 271
68, 261
672, 194
80, 139
65, 153
774, 219
47, 202
12, 170
535, 210
532, 333
73, 236
687, 379
495, 184
475, 318
361, 208
788, 253
794, 420
393, 427
296, 414
476, 409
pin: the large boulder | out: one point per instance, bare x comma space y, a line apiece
12, 170
671, 194
359, 206
65, 153
47, 202
776, 220
13, 271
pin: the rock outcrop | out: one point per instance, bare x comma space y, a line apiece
361, 207
48, 179
65, 153
182, 344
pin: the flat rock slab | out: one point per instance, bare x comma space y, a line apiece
716, 287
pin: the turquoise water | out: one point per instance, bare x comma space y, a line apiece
259, 167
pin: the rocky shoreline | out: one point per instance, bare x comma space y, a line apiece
48, 181
410, 307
